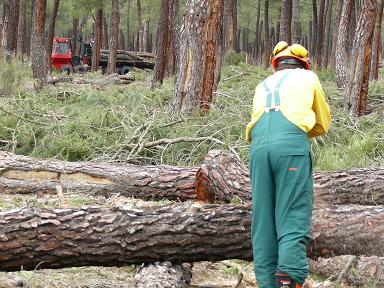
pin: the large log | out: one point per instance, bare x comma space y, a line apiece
20, 174
364, 270
54, 238
220, 178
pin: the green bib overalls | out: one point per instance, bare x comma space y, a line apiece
282, 191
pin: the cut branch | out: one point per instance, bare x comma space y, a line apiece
55, 238
163, 274
363, 269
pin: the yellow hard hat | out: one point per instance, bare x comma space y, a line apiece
296, 51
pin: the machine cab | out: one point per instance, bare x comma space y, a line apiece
61, 55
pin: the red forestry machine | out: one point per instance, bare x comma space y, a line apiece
63, 59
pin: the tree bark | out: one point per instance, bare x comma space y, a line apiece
197, 54
140, 29
163, 44
285, 21
21, 30
364, 269
173, 43
230, 25
296, 22
320, 35
105, 32
38, 51
98, 39
257, 35
55, 238
128, 36
374, 74
267, 41
341, 45
355, 96
75, 24
314, 29
146, 37
220, 178
327, 37
114, 40
51, 32
336, 31
163, 274
11, 20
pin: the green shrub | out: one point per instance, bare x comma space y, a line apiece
234, 58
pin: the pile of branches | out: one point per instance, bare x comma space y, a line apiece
348, 218
112, 79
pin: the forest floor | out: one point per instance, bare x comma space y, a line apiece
98, 122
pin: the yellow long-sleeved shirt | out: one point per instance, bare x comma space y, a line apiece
302, 102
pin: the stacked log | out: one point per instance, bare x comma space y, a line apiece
141, 60
221, 178
181, 232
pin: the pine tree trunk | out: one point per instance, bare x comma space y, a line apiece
75, 24
310, 36
327, 37
213, 25
163, 44
105, 32
336, 31
374, 74
198, 44
11, 20
173, 43
356, 91
140, 29
146, 36
257, 35
341, 45
51, 32
285, 21
230, 18
98, 39
128, 36
114, 40
267, 41
21, 30
38, 51
320, 34
296, 21
314, 30
55, 238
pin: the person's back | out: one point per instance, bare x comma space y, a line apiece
288, 108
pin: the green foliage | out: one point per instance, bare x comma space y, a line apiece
233, 58
91, 124
12, 75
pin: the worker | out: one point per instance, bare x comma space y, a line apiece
289, 107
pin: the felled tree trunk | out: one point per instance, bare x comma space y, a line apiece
55, 238
220, 178
363, 269
20, 174
163, 274
223, 177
